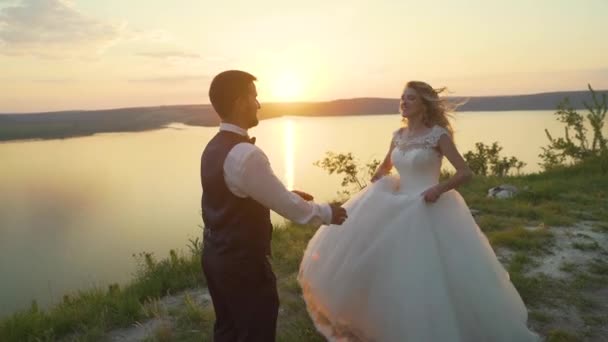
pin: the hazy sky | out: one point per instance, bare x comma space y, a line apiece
85, 54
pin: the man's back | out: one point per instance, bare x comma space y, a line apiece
234, 226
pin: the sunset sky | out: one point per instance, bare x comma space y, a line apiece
89, 54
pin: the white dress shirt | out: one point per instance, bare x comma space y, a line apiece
247, 173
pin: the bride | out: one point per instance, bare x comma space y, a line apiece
410, 263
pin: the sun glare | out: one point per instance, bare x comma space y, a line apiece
287, 87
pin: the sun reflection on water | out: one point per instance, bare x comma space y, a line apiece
289, 145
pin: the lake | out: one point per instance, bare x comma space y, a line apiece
74, 211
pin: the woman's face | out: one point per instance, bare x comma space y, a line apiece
411, 104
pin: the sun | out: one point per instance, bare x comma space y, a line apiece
287, 86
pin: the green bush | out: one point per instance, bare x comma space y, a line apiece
574, 149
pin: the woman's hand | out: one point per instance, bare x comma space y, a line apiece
385, 167
431, 195
377, 176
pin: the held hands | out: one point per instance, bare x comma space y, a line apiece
431, 195
338, 214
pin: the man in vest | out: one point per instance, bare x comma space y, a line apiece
239, 190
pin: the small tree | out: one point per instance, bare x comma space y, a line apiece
578, 148
486, 159
355, 177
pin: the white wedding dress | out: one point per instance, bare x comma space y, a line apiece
400, 269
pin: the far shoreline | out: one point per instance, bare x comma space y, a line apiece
80, 123
40, 132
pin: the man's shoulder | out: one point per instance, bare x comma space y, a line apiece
244, 150
224, 140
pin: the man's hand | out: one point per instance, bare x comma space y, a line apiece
305, 196
338, 214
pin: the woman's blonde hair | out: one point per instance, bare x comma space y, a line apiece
438, 109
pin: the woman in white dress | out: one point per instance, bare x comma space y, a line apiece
410, 263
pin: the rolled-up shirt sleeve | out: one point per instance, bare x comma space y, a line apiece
248, 174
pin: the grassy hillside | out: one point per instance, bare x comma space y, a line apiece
560, 217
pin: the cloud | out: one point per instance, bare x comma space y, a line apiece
53, 29
172, 79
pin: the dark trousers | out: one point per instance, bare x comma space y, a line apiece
245, 298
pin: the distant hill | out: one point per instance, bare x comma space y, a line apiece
52, 125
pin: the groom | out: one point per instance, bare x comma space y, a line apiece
239, 190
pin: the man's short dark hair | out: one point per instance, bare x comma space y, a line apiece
226, 88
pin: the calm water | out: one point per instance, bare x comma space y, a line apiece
72, 212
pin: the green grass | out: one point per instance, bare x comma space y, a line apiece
540, 316
561, 197
586, 246
288, 245
193, 323
522, 239
556, 198
494, 222
599, 267
568, 267
562, 336
88, 314
600, 227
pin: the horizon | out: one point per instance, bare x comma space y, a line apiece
288, 102
94, 55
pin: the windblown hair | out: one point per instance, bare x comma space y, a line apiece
438, 109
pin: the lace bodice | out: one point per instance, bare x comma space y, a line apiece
428, 140
417, 159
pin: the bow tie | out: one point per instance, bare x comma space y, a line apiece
252, 140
